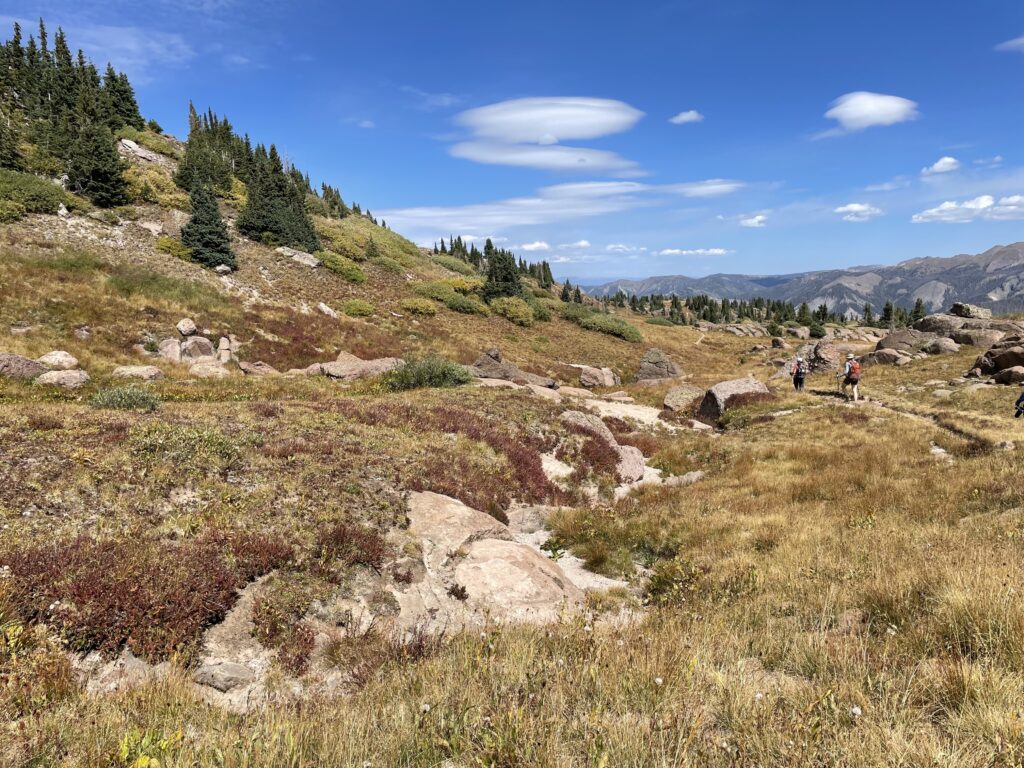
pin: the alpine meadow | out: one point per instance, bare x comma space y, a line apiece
670, 422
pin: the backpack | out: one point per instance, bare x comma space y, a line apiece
854, 371
800, 369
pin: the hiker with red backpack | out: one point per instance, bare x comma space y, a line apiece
799, 373
851, 375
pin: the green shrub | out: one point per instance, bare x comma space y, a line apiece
33, 194
126, 399
184, 447
429, 372
587, 318
437, 290
174, 248
388, 264
663, 321
817, 330
514, 310
11, 211
340, 265
467, 305
541, 312
423, 307
455, 264
149, 139
357, 308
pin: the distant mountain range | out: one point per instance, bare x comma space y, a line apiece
992, 279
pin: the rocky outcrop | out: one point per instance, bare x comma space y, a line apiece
682, 397
885, 357
655, 365
907, 340
17, 367
970, 310
941, 346
824, 357
727, 394
1008, 353
258, 368
141, 372
630, 467
591, 377
59, 360
490, 365
299, 257
196, 348
979, 337
65, 379
350, 368
942, 325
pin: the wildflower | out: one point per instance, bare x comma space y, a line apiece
658, 681
588, 628
855, 711
620, 643
758, 696
424, 708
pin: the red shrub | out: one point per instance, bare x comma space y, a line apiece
350, 545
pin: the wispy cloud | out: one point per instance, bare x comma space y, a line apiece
1017, 44
537, 245
899, 182
689, 116
428, 101
860, 110
757, 221
700, 252
577, 244
858, 212
546, 158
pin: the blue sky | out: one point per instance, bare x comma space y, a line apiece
806, 135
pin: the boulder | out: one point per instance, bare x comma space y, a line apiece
258, 368
142, 372
979, 337
727, 394
883, 357
655, 364
824, 357
351, 370
801, 332
59, 360
187, 327
907, 340
17, 367
779, 343
631, 465
224, 350
223, 675
196, 347
597, 377
300, 257
683, 397
446, 525
170, 350
65, 379
943, 325
941, 346
208, 370
1009, 357
327, 310
1014, 375
961, 309
222, 269
128, 148
490, 365
589, 423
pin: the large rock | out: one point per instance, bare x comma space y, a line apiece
682, 397
1008, 357
631, 466
17, 367
59, 360
142, 372
597, 377
824, 357
446, 526
300, 257
224, 675
943, 325
187, 327
884, 357
655, 364
353, 369
258, 368
128, 148
970, 310
490, 365
727, 394
65, 379
801, 332
980, 337
941, 346
208, 370
170, 350
907, 340
1014, 375
196, 348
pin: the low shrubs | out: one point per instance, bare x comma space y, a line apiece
347, 545
342, 266
455, 264
467, 305
184, 447
514, 310
23, 193
424, 307
173, 247
595, 321
357, 308
149, 139
428, 372
662, 321
388, 264
131, 398
147, 184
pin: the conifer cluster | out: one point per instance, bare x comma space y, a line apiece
501, 266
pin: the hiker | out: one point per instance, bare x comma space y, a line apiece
799, 373
851, 376
1019, 407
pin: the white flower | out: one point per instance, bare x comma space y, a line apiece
758, 696
424, 708
588, 628
658, 681
855, 711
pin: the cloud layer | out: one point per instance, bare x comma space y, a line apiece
983, 207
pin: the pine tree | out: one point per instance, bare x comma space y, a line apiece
94, 167
502, 278
869, 315
566, 294
205, 233
888, 317
372, 251
919, 311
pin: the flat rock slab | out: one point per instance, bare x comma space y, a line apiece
446, 525
65, 379
59, 360
142, 372
351, 370
224, 675
209, 370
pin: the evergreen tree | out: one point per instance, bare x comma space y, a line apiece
205, 233
869, 315
803, 316
502, 277
566, 294
372, 251
888, 318
919, 311
577, 297
94, 167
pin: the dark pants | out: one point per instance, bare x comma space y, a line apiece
798, 383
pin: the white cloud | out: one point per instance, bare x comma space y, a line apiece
694, 252
366, 124
430, 101
689, 116
863, 109
548, 158
577, 244
888, 186
989, 162
538, 245
945, 164
548, 120
858, 212
1017, 44
983, 207
623, 248
706, 188
757, 221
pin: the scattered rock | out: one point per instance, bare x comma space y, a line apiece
1013, 375
655, 364
187, 327
142, 372
327, 310
941, 346
725, 395
943, 325
884, 357
83, 333
208, 370
682, 397
942, 394
224, 675
971, 310
555, 469
546, 392
66, 379
222, 269
126, 671
300, 257
349, 368
979, 337
196, 348
170, 349
490, 365
258, 368
17, 367
801, 332
825, 356
631, 465
585, 394
591, 377
779, 343
224, 350
907, 340
679, 481
59, 360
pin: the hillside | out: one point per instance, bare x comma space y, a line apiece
990, 279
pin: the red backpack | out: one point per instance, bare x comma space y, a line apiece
854, 371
